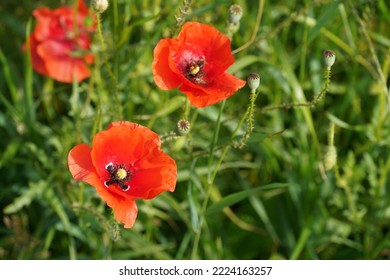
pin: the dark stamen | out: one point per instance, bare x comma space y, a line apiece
194, 72
119, 175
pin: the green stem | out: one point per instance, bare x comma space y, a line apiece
331, 135
114, 85
248, 116
309, 104
215, 139
255, 29
29, 99
187, 109
194, 251
342, 183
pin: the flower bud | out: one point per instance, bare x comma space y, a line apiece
100, 6
235, 14
183, 126
330, 158
253, 81
329, 58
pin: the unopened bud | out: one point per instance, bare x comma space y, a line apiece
235, 14
253, 81
329, 58
330, 158
183, 126
100, 6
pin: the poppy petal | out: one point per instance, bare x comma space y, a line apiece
156, 173
42, 14
59, 64
216, 91
196, 62
162, 73
80, 165
60, 42
209, 42
82, 169
126, 212
119, 144
37, 62
132, 146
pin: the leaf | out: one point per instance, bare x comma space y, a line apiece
9, 152
345, 125
327, 16
243, 62
171, 106
25, 199
239, 196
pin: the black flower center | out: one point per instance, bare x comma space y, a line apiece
119, 174
195, 72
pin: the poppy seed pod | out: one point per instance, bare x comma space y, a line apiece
253, 81
99, 6
184, 126
329, 58
235, 14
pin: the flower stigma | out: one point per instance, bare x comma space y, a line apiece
194, 69
121, 174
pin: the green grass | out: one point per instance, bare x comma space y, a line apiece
271, 199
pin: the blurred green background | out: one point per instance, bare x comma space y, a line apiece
272, 199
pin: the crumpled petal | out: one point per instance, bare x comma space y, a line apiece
60, 42
163, 75
216, 91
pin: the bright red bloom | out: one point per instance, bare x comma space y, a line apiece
196, 62
125, 163
60, 42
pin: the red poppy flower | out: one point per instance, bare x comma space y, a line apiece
196, 62
125, 163
60, 42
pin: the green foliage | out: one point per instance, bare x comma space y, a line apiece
270, 199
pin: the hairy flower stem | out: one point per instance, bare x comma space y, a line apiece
309, 104
248, 116
183, 12
118, 106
